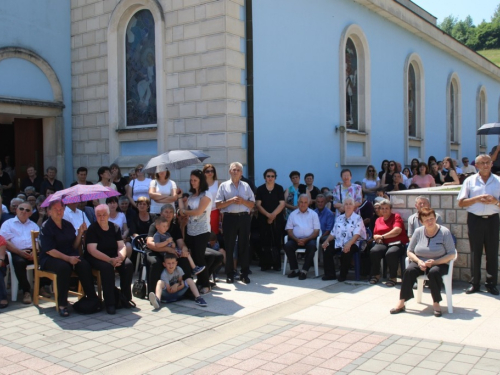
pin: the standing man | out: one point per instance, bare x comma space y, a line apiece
480, 194
81, 177
313, 190
17, 232
51, 182
32, 179
235, 199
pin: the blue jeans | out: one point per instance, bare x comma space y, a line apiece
3, 289
172, 297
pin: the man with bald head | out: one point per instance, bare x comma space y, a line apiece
303, 228
17, 232
413, 222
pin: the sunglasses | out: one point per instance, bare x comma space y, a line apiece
24, 209
209, 171
371, 170
270, 176
138, 170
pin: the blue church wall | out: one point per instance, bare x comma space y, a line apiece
43, 27
296, 89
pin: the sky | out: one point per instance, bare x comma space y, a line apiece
477, 9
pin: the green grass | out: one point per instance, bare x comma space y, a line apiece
491, 54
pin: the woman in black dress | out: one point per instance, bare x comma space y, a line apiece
59, 254
270, 201
106, 252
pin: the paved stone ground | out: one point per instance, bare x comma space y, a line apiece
272, 326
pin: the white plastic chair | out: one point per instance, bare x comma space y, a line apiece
302, 251
14, 283
447, 281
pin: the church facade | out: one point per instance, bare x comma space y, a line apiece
315, 86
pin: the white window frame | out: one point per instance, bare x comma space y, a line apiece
456, 144
481, 118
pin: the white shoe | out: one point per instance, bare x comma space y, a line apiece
155, 302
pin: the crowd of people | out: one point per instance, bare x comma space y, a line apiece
190, 236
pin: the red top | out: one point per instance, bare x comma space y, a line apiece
2, 241
385, 226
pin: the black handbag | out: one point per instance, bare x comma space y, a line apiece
86, 305
121, 301
139, 289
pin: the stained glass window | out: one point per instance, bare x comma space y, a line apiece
452, 112
412, 103
141, 70
351, 66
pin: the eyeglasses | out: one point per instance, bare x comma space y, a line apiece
483, 163
270, 176
209, 171
24, 209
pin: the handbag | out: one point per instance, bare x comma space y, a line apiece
139, 289
86, 305
121, 300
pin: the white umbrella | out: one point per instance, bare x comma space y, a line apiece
175, 159
486, 129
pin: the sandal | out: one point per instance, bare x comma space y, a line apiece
63, 312
390, 283
374, 280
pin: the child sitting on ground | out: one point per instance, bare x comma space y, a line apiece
163, 239
171, 287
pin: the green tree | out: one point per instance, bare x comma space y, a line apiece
448, 24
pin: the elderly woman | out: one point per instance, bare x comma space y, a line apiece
59, 254
346, 190
423, 179
139, 186
449, 172
431, 248
197, 210
162, 190
270, 202
3, 270
347, 231
390, 239
106, 252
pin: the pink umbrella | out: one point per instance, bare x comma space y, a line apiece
80, 193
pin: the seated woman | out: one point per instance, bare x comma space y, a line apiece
3, 270
143, 219
431, 248
347, 231
434, 172
117, 217
423, 179
449, 172
106, 252
390, 239
59, 254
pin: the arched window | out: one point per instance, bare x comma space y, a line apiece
414, 99
482, 103
351, 85
454, 116
354, 86
140, 70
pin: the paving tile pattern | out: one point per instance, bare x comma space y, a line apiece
298, 347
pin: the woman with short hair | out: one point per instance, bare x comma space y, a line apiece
139, 186
346, 190
431, 249
59, 253
293, 192
106, 252
390, 239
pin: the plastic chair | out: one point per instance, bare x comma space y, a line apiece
14, 283
302, 251
447, 281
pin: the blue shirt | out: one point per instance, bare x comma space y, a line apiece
228, 190
326, 220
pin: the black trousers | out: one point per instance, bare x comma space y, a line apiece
125, 271
155, 268
345, 260
20, 264
197, 245
435, 275
63, 270
392, 255
483, 233
236, 226
290, 248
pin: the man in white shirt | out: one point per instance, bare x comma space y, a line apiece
17, 232
303, 228
480, 195
467, 169
75, 216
